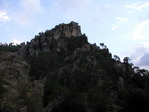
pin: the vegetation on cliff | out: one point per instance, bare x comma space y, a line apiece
68, 74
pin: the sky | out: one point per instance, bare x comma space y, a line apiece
122, 25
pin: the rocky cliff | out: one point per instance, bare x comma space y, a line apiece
52, 39
15, 76
60, 71
65, 30
19, 92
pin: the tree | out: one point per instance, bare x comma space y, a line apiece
136, 69
143, 72
131, 64
126, 60
103, 46
117, 58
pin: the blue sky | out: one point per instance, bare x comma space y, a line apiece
121, 24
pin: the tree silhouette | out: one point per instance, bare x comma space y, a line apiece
116, 58
136, 69
126, 60
103, 46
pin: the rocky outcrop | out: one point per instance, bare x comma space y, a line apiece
59, 71
65, 30
19, 93
51, 40
16, 78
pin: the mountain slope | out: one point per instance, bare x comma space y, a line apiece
68, 74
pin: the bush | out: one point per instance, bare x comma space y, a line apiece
44, 63
9, 48
97, 100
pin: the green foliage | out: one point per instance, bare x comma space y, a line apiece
126, 60
87, 87
71, 103
82, 81
97, 99
2, 89
9, 48
90, 80
47, 33
103, 46
66, 90
75, 42
134, 99
138, 100
116, 58
43, 63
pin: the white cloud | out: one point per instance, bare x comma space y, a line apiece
139, 55
114, 26
72, 9
141, 31
120, 21
29, 9
138, 6
71, 4
3, 16
15, 41
22, 18
108, 5
32, 5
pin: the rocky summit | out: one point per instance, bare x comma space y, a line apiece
60, 71
52, 39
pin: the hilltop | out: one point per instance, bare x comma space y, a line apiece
60, 71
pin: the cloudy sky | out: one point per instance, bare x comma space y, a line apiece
121, 24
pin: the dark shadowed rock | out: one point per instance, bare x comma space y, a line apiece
20, 94
60, 71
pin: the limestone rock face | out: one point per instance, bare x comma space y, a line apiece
15, 73
51, 40
67, 30
60, 71
19, 94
